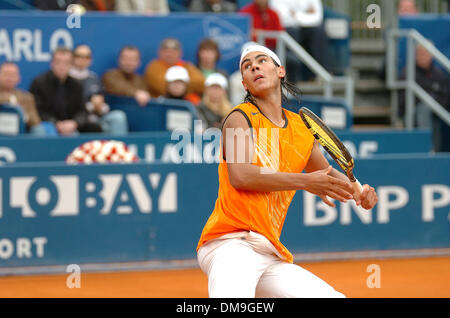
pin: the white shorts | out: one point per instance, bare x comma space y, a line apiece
247, 265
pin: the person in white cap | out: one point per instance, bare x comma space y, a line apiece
215, 104
177, 83
264, 150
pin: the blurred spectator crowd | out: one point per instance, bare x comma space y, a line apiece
70, 98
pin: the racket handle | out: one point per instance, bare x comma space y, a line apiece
358, 189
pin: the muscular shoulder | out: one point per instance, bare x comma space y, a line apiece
291, 114
294, 118
237, 118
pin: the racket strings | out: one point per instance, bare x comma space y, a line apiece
343, 163
328, 142
321, 134
332, 147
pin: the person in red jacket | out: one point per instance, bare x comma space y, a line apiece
264, 18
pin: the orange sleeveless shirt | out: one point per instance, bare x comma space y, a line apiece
283, 149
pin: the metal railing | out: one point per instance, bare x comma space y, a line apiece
285, 41
412, 89
357, 11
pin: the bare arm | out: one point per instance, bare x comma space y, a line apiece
246, 176
317, 162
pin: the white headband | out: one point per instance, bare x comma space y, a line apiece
258, 48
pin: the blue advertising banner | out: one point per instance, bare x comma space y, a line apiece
54, 214
161, 146
57, 214
28, 38
412, 211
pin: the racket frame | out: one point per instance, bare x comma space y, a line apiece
347, 166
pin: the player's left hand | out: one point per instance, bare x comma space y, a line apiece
368, 197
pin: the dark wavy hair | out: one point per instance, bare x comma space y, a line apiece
286, 88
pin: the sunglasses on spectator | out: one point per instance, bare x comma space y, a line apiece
81, 56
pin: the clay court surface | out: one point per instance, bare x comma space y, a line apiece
414, 277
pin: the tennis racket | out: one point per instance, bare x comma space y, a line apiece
331, 143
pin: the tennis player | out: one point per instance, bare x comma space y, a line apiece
265, 148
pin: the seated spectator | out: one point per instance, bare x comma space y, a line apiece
303, 20
112, 122
82, 61
208, 55
407, 7
215, 6
9, 94
177, 83
59, 97
436, 83
215, 104
404, 8
264, 18
169, 54
124, 81
143, 6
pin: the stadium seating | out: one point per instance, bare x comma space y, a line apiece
11, 120
339, 44
335, 112
158, 115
